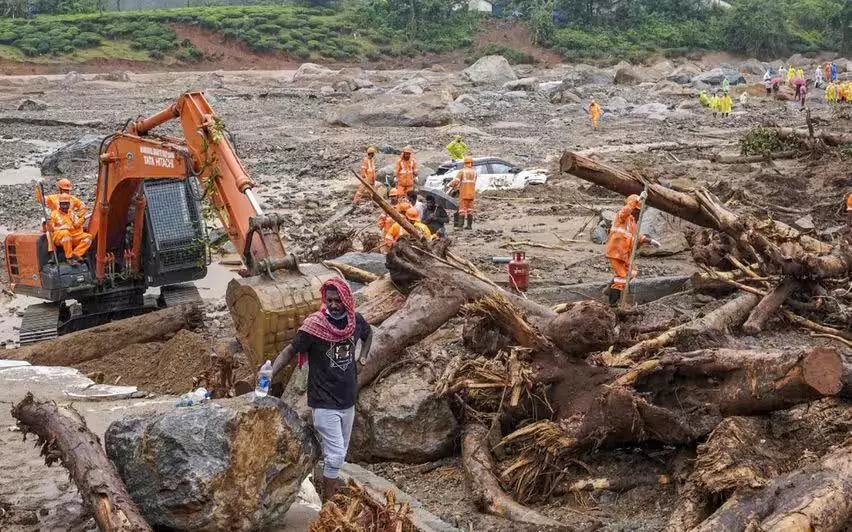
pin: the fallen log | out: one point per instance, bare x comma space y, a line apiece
768, 305
88, 344
740, 159
63, 435
484, 486
724, 318
383, 300
832, 139
816, 497
351, 273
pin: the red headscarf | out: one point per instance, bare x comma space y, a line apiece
317, 324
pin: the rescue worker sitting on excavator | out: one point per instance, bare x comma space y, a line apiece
64, 186
396, 231
620, 243
68, 234
465, 181
405, 171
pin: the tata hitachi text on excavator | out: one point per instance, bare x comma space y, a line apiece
148, 231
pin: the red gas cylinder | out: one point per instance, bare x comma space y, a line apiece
519, 272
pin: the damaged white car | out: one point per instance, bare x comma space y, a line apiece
492, 173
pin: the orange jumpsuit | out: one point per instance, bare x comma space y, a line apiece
396, 231
77, 206
595, 113
405, 172
466, 181
368, 174
619, 244
69, 235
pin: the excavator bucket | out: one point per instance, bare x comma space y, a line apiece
267, 313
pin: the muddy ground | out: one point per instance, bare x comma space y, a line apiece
301, 165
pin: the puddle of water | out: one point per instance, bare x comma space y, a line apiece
214, 285
20, 176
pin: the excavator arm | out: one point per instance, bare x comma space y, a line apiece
226, 182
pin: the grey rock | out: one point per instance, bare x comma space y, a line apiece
85, 148
233, 465
684, 74
458, 109
652, 111
797, 60
805, 223
312, 72
515, 95
754, 67
211, 80
549, 87
589, 75
631, 75
32, 105
362, 83
72, 78
616, 104
465, 99
326, 90
400, 111
689, 104
490, 70
715, 77
116, 75
523, 84
400, 419
415, 86
665, 228
342, 87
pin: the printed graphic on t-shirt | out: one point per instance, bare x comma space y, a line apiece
341, 355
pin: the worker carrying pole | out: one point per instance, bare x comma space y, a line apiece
624, 239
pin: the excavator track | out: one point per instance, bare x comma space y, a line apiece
40, 322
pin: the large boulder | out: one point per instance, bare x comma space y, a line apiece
313, 72
652, 111
715, 77
754, 67
32, 105
589, 75
490, 70
523, 84
86, 148
632, 75
232, 465
399, 111
684, 73
400, 419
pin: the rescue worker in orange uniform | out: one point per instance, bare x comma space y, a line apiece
396, 231
620, 243
594, 112
405, 171
385, 221
68, 232
465, 181
368, 173
849, 211
64, 186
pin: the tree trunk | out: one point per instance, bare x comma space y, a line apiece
88, 344
832, 139
740, 382
726, 317
428, 307
484, 486
383, 299
768, 305
739, 159
816, 497
63, 435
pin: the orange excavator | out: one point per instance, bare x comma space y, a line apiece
148, 231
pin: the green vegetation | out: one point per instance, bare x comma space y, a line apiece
761, 140
371, 32
634, 29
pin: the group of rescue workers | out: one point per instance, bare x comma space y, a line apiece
429, 217
67, 216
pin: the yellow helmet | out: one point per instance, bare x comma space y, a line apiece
371, 149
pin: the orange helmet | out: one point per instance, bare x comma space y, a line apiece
633, 201
64, 185
393, 193
64, 198
408, 149
412, 214
468, 161
371, 149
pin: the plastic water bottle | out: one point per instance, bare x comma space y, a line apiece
197, 397
264, 379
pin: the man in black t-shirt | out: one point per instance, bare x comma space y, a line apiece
328, 338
